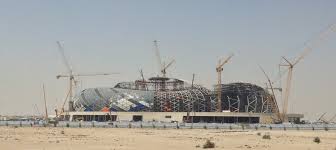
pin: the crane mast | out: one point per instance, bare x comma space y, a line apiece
219, 88
219, 70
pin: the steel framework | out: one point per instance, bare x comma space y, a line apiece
194, 98
246, 97
160, 94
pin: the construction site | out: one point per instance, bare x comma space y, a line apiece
167, 99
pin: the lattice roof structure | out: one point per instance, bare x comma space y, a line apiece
161, 94
247, 97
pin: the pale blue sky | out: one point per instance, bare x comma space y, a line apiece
116, 36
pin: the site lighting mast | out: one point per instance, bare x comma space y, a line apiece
71, 76
219, 69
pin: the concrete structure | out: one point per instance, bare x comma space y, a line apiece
196, 117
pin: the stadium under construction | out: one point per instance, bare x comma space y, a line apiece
173, 100
167, 99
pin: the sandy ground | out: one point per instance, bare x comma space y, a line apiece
27, 138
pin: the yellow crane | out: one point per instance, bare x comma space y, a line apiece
219, 69
71, 76
307, 49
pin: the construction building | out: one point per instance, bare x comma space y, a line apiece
169, 99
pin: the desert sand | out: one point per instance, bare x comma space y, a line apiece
39, 138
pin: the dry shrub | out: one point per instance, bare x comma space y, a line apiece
209, 144
326, 128
317, 140
266, 136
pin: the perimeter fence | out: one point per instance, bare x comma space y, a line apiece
176, 125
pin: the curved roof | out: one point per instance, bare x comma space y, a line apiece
117, 99
126, 96
247, 97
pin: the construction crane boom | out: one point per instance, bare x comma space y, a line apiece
273, 94
316, 42
157, 54
82, 75
165, 67
225, 61
65, 60
162, 66
64, 102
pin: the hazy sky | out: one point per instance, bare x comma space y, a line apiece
116, 36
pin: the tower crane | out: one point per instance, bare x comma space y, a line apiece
162, 66
219, 69
71, 76
307, 49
